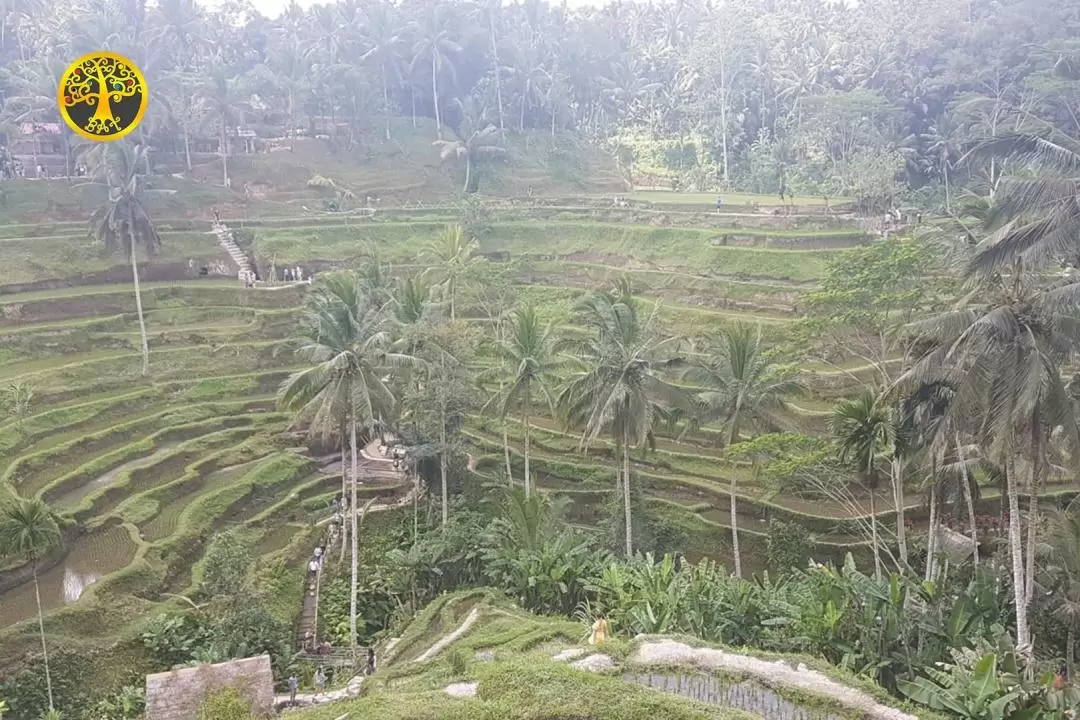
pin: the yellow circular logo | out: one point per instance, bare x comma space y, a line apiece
102, 96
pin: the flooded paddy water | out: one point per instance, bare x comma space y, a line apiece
90, 558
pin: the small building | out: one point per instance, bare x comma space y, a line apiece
178, 693
40, 138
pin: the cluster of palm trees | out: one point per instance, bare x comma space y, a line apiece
368, 340
752, 77
982, 394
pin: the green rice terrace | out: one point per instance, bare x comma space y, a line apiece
145, 470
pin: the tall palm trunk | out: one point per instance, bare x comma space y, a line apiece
627, 511
874, 537
353, 542
733, 434
187, 149
224, 155
1016, 553
435, 89
528, 440
442, 471
506, 443
41, 629
139, 310
386, 101
723, 117
498, 81
524, 98
468, 171
897, 475
344, 488
1070, 652
969, 501
415, 502
1035, 481
931, 536
444, 491
1032, 532
945, 171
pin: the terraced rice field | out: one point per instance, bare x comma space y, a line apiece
148, 468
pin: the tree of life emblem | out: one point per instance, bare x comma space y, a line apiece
102, 96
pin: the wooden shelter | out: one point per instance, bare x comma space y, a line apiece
178, 693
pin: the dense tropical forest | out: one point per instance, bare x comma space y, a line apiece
745, 321
814, 97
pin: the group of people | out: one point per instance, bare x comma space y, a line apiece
397, 452
294, 274
320, 677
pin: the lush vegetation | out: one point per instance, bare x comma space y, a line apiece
604, 406
795, 98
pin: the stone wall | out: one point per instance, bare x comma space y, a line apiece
177, 694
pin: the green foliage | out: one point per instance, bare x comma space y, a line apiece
475, 217
174, 639
458, 661
227, 565
867, 296
986, 684
788, 545
530, 553
225, 704
127, 704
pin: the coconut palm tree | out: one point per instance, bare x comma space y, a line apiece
383, 47
28, 529
451, 256
1001, 348
863, 429
123, 223
220, 95
435, 45
529, 361
287, 71
344, 341
616, 387
743, 389
1034, 218
475, 140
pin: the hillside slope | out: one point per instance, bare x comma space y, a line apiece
409, 168
473, 655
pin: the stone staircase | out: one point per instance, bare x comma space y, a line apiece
225, 240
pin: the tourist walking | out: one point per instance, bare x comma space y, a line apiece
320, 682
293, 685
370, 670
719, 203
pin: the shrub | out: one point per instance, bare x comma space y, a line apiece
788, 545
458, 661
224, 705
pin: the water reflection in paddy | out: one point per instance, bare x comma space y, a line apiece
91, 558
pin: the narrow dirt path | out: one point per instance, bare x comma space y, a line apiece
435, 649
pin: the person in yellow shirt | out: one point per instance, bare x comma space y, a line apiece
599, 631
